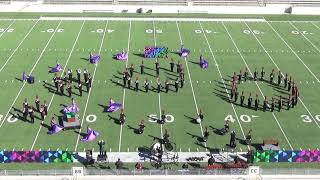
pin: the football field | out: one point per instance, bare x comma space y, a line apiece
33, 46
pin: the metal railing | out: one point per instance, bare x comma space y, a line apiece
150, 172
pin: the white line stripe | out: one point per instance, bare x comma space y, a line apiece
15, 50
124, 89
315, 25
281, 72
256, 83
154, 19
94, 73
34, 66
49, 105
193, 94
159, 97
7, 29
305, 37
293, 52
224, 84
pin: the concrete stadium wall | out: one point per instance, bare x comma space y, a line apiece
269, 9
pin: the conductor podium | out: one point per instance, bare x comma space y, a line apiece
71, 121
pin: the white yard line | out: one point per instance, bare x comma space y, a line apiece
124, 89
315, 25
305, 37
159, 97
65, 66
190, 80
34, 66
293, 52
272, 60
16, 49
224, 83
284, 134
89, 93
6, 29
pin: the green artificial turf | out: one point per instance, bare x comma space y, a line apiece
228, 46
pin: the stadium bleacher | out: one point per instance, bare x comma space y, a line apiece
185, 2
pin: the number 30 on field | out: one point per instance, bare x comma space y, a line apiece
308, 119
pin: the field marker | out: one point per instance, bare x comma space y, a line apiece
225, 87
256, 83
7, 28
124, 89
293, 52
190, 80
49, 105
15, 50
305, 37
34, 66
272, 60
89, 93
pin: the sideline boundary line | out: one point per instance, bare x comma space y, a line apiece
90, 90
256, 83
65, 66
224, 84
124, 89
271, 58
34, 66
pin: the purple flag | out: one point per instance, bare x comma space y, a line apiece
24, 76
55, 129
58, 68
73, 108
91, 135
203, 63
184, 52
94, 59
122, 56
114, 107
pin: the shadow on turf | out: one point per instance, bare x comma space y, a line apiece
135, 130
115, 120
139, 55
18, 79
192, 119
199, 138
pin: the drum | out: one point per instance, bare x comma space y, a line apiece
168, 147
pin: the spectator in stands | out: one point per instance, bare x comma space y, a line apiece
119, 164
211, 161
139, 166
185, 166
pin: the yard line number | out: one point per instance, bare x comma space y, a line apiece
308, 119
154, 118
247, 31
52, 30
9, 119
301, 32
6, 30
102, 31
244, 118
